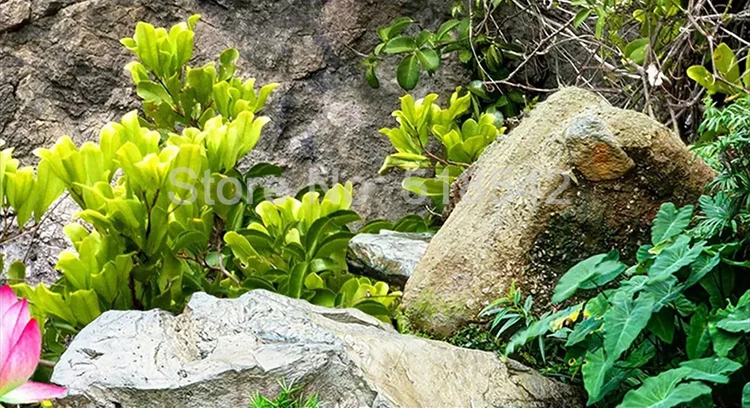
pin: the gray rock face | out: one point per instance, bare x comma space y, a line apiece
388, 256
219, 353
14, 13
61, 73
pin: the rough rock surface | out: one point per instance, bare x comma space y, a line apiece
575, 178
388, 256
219, 353
61, 73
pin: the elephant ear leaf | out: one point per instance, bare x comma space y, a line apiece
594, 371
738, 318
711, 369
624, 321
589, 274
665, 391
670, 222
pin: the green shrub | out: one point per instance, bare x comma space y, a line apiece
138, 187
298, 248
461, 141
489, 56
166, 212
674, 328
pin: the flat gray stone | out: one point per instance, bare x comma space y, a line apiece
220, 352
388, 256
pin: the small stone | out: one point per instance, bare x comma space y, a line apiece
388, 256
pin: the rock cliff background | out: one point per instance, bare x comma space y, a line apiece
61, 73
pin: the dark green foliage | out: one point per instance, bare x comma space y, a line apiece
674, 328
470, 38
726, 147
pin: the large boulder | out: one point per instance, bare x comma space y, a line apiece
577, 177
61, 73
219, 353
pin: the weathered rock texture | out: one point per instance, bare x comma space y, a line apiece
61, 73
219, 353
389, 256
575, 178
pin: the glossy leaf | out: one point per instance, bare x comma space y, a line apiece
670, 222
664, 391
407, 72
624, 321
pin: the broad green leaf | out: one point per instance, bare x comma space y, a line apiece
227, 63
662, 324
341, 218
334, 244
703, 77
324, 297
429, 59
726, 63
20, 187
372, 77
373, 308
314, 281
375, 226
746, 396
445, 29
241, 247
16, 272
426, 187
663, 391
84, 305
723, 341
738, 319
670, 222
49, 188
582, 330
640, 356
400, 44
713, 369
147, 49
153, 92
398, 25
595, 369
624, 321
588, 274
673, 258
701, 267
407, 72
636, 50
698, 336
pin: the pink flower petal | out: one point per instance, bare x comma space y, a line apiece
32, 392
7, 299
13, 323
23, 358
